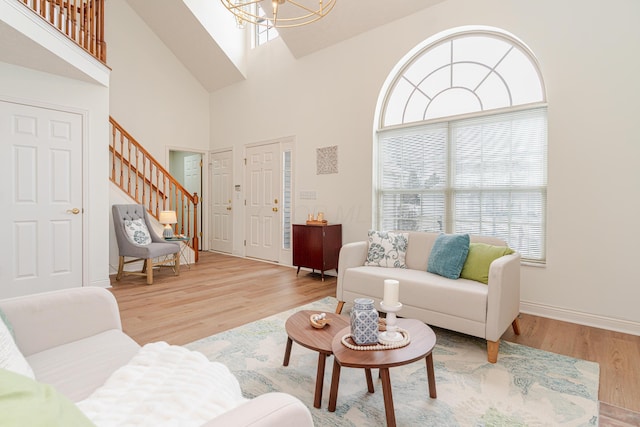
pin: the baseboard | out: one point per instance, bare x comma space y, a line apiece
101, 283
587, 319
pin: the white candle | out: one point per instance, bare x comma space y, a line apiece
391, 291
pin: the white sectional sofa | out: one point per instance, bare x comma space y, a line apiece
462, 305
73, 340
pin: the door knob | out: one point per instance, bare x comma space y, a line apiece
274, 209
74, 211
228, 208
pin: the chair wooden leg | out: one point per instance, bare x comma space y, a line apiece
149, 267
176, 262
516, 326
339, 307
120, 268
492, 351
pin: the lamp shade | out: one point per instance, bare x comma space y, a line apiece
167, 217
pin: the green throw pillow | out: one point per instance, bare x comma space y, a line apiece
448, 254
480, 257
26, 402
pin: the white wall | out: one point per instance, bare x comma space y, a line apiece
588, 52
153, 96
47, 90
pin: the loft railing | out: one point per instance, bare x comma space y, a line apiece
139, 175
81, 20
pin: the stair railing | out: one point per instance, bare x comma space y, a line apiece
80, 20
138, 174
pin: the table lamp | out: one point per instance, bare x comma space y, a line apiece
167, 218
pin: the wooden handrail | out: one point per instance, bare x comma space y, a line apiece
80, 20
146, 181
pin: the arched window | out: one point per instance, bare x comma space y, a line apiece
462, 141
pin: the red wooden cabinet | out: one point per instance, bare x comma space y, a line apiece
317, 246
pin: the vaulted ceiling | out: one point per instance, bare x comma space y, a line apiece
202, 42
175, 24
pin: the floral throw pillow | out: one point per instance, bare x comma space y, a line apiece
387, 249
137, 231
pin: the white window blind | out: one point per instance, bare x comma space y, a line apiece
484, 175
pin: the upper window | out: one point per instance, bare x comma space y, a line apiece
462, 142
264, 33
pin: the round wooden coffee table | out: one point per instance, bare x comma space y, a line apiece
299, 329
423, 340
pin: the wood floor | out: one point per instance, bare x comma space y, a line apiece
222, 292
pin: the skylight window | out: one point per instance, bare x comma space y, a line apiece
263, 33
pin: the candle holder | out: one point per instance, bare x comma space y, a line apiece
391, 335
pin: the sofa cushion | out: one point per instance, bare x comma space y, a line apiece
448, 255
418, 251
78, 376
479, 259
387, 249
463, 298
26, 402
10, 356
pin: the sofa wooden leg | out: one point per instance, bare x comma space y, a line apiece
149, 264
339, 307
176, 263
516, 326
120, 268
492, 351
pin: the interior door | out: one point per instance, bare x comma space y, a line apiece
222, 201
193, 183
41, 172
263, 229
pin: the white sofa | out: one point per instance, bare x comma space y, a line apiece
73, 340
462, 305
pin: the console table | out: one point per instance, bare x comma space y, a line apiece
317, 246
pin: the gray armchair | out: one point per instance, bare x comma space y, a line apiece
154, 253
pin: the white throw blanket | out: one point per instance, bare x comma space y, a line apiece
164, 385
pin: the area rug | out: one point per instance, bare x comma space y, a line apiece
527, 387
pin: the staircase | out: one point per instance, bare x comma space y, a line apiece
132, 169
138, 174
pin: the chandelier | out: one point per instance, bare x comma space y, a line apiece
284, 13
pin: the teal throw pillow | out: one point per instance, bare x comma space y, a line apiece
27, 402
480, 257
448, 255
387, 249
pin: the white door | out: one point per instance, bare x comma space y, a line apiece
222, 201
41, 172
263, 228
193, 184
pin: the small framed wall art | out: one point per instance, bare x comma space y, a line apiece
327, 160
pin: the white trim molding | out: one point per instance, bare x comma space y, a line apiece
581, 318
